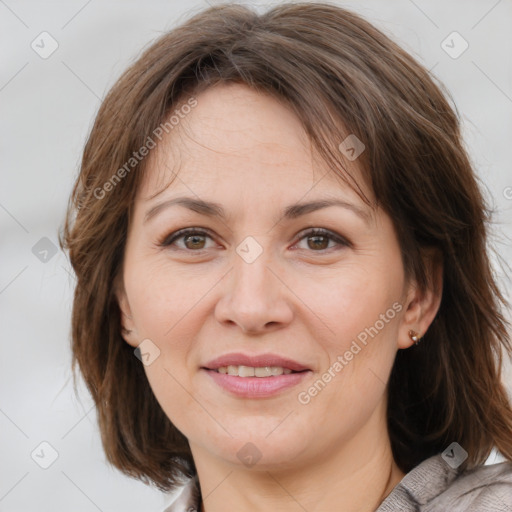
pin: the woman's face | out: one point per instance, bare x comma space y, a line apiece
256, 281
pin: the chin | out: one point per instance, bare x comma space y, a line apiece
260, 451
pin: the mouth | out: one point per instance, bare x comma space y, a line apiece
252, 371
255, 376
262, 365
242, 382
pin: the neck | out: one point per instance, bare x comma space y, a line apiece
355, 476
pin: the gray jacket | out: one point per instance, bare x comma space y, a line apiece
432, 486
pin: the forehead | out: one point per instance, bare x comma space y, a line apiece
240, 141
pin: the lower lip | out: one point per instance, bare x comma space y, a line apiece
256, 387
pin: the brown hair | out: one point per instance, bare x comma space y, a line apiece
341, 76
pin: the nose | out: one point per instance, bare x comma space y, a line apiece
255, 297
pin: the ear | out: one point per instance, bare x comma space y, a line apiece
128, 330
422, 307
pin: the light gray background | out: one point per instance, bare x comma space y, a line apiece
48, 106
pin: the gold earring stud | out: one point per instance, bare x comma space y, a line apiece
415, 337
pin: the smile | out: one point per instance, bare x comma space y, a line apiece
251, 371
243, 381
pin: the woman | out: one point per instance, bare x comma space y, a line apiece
284, 298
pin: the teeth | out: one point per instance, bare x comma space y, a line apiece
250, 371
266, 371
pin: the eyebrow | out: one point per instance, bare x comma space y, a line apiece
293, 211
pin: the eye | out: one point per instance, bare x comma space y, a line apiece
318, 239
193, 239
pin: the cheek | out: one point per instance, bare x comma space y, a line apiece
163, 298
361, 309
352, 298
169, 384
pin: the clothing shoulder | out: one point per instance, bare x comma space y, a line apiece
435, 486
432, 486
486, 488
185, 498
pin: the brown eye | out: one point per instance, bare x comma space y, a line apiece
194, 240
318, 240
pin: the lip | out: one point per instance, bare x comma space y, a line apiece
258, 361
256, 387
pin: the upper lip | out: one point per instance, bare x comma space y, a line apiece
257, 361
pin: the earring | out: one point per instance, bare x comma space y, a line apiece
415, 337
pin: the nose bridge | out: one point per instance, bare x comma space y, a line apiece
252, 280
251, 275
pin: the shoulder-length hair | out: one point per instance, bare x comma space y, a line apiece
339, 75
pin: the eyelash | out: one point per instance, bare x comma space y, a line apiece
170, 239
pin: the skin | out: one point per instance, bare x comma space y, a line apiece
303, 298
